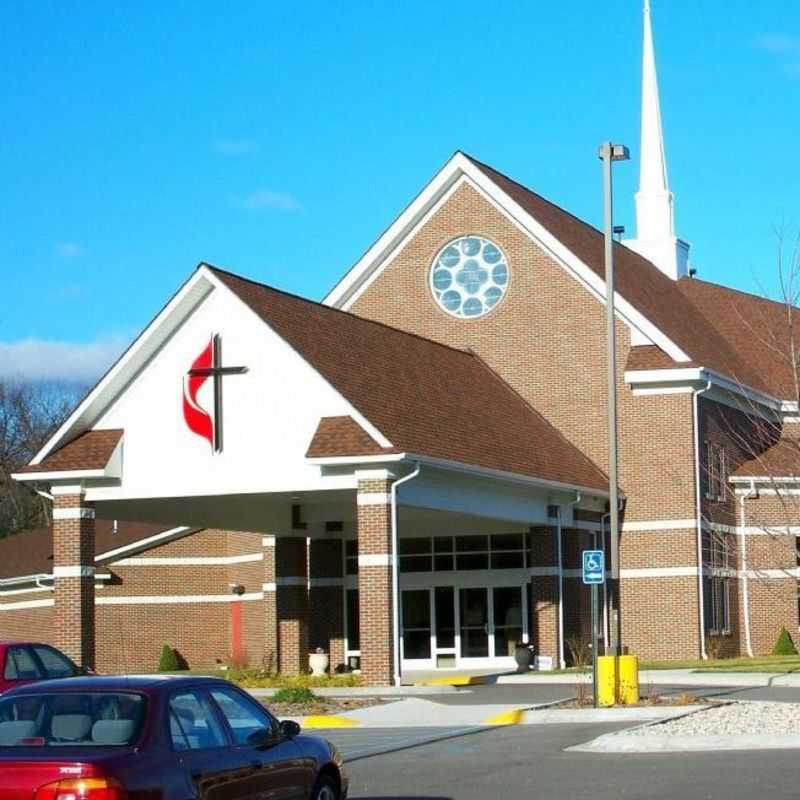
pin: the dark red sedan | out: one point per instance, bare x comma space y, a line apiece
25, 662
156, 738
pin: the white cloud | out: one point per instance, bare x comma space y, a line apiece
69, 249
785, 47
779, 43
40, 359
266, 199
235, 147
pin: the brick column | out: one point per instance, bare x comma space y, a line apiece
73, 574
543, 592
326, 599
375, 581
291, 603
270, 610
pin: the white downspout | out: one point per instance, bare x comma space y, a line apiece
699, 513
745, 580
561, 660
396, 573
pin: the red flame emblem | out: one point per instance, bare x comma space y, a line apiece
198, 420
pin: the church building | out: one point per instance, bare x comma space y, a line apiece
404, 475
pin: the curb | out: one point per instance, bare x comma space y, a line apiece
457, 680
326, 721
514, 716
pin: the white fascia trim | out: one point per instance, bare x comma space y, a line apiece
61, 475
371, 430
188, 561
146, 543
457, 466
373, 499
686, 379
511, 477
115, 381
660, 572
176, 599
377, 257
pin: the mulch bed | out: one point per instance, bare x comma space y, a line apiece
326, 705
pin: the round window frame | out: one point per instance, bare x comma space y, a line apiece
435, 260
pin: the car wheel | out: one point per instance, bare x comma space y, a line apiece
325, 790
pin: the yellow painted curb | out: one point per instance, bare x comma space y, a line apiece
455, 680
324, 721
511, 717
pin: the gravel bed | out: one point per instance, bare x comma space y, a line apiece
731, 719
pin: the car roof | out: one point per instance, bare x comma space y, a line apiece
119, 683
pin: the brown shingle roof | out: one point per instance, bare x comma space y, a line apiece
641, 283
31, 552
782, 460
755, 327
90, 450
649, 356
426, 398
343, 436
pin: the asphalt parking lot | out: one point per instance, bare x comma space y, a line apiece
529, 761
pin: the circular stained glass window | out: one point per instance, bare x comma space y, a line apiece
469, 276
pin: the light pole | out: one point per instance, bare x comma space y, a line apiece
609, 153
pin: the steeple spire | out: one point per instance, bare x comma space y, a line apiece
655, 228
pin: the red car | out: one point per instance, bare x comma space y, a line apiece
25, 662
156, 738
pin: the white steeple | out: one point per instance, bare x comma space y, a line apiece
655, 229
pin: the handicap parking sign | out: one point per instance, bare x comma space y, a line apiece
594, 569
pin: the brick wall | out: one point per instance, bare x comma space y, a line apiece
546, 338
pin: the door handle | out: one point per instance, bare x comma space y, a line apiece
196, 774
256, 764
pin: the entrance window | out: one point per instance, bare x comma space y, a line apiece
474, 552
474, 623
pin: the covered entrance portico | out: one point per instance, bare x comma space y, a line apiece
379, 526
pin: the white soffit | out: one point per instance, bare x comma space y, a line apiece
458, 170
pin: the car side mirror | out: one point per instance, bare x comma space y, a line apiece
289, 728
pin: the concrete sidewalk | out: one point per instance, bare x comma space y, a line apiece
416, 712
658, 677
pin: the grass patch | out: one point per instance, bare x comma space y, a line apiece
781, 664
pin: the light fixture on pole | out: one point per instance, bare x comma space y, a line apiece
609, 153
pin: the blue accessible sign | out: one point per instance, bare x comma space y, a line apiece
594, 568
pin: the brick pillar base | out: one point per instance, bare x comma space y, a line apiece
291, 599
73, 575
375, 581
326, 600
270, 658
543, 593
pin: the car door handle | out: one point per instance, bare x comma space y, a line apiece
256, 764
196, 774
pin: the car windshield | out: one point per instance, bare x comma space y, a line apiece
98, 719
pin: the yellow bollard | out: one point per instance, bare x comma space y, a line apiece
606, 680
628, 677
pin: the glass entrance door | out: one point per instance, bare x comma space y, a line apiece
507, 629
416, 625
474, 622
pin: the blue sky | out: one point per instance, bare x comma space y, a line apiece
280, 139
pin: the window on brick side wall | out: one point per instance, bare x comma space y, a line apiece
717, 602
715, 471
